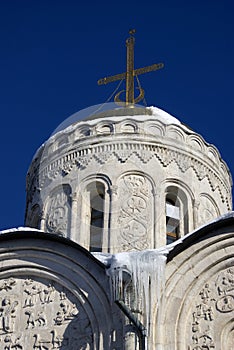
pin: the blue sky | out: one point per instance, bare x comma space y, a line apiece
53, 53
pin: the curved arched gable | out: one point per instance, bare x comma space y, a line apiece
57, 293
197, 304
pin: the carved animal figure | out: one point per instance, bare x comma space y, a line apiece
40, 343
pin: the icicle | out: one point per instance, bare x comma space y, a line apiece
120, 275
146, 270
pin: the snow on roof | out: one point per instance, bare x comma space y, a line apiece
125, 257
20, 229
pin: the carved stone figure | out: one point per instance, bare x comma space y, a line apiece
214, 299
12, 344
30, 320
41, 318
7, 284
41, 314
48, 294
7, 314
41, 343
31, 293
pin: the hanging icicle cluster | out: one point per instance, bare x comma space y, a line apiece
145, 271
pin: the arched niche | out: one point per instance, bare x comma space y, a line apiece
174, 133
154, 129
128, 127
105, 128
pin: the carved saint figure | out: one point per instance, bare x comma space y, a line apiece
31, 295
7, 311
205, 293
47, 293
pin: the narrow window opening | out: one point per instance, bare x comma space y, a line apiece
176, 214
97, 197
172, 220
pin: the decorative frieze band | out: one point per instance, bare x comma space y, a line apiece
122, 152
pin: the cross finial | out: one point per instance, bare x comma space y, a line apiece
132, 31
130, 74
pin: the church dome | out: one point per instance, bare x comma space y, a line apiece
126, 179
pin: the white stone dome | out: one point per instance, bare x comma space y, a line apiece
143, 164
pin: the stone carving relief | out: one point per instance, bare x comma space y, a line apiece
206, 210
58, 211
83, 157
213, 310
136, 207
41, 315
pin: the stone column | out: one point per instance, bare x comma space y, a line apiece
196, 211
42, 221
74, 229
113, 241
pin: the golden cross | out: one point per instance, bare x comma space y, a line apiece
130, 74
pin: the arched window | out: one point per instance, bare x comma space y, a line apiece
172, 220
97, 197
176, 214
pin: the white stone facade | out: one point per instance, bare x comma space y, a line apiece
132, 159
124, 185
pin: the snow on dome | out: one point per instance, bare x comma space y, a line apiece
163, 116
109, 112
